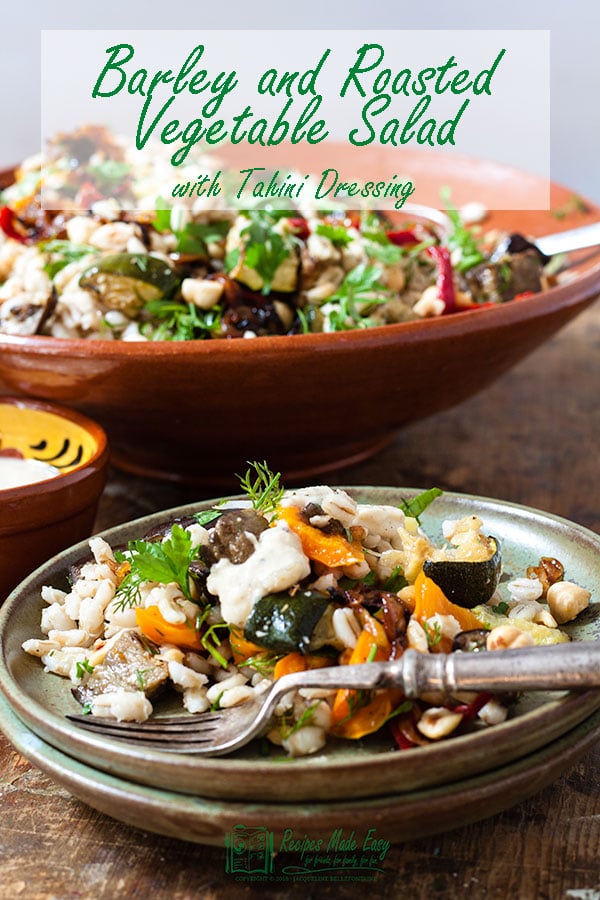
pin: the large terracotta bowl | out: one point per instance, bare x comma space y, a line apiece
39, 520
307, 403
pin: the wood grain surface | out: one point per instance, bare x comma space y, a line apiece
532, 438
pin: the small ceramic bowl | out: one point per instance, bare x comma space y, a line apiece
40, 519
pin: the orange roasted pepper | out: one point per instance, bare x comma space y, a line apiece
299, 662
372, 645
243, 649
333, 550
156, 628
430, 599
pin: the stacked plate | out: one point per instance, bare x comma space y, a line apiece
353, 785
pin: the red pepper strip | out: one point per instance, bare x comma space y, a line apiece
7, 224
88, 194
523, 295
402, 238
445, 277
299, 227
469, 710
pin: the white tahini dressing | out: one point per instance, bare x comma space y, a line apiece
277, 564
16, 472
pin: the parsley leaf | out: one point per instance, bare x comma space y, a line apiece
413, 508
164, 562
83, 666
265, 249
502, 608
337, 234
357, 294
176, 321
383, 251
396, 581
194, 237
61, 253
206, 515
109, 172
461, 239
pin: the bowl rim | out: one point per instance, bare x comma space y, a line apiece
63, 480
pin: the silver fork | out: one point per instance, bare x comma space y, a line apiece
561, 667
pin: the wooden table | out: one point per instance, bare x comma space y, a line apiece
532, 438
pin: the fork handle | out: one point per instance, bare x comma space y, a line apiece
559, 667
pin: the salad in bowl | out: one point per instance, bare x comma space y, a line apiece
220, 604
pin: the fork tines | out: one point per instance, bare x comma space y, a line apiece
171, 732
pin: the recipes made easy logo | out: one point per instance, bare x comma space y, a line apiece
252, 854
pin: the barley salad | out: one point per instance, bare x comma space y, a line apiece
180, 271
218, 605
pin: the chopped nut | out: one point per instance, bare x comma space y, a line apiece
438, 722
429, 304
201, 292
566, 600
508, 637
548, 572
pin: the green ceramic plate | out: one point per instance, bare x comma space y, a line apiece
366, 768
394, 818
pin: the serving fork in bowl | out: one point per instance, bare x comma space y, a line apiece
572, 666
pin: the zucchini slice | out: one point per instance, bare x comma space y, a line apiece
466, 584
127, 281
286, 624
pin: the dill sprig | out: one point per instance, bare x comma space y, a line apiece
262, 487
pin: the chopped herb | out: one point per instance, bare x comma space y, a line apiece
232, 258
304, 719
206, 515
337, 234
265, 491
87, 709
61, 253
413, 508
162, 222
215, 705
461, 239
303, 319
360, 290
433, 633
502, 608
384, 252
109, 172
211, 642
139, 677
263, 663
201, 617
396, 581
264, 248
180, 321
163, 562
82, 666
572, 205
194, 237
399, 711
